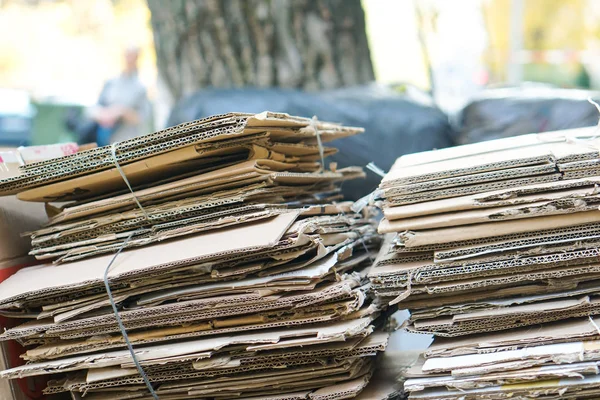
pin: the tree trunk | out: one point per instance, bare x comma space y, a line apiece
307, 44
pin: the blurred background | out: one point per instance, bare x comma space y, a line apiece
417, 74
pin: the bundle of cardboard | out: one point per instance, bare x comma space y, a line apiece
493, 247
242, 277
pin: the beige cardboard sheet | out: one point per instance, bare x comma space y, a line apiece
559, 352
561, 331
216, 128
17, 217
331, 332
588, 288
235, 176
527, 194
148, 170
464, 182
560, 141
487, 215
568, 276
392, 198
35, 280
489, 230
553, 389
468, 165
494, 320
519, 376
573, 237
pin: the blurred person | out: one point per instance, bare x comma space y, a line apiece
122, 109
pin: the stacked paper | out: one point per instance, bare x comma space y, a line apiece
244, 279
493, 247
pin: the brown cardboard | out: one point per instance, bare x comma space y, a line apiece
470, 217
542, 373
12, 159
473, 179
517, 316
191, 159
488, 230
326, 333
235, 176
216, 128
555, 332
572, 351
474, 164
392, 198
555, 389
513, 278
500, 198
112, 242
15, 218
256, 288
580, 173
515, 242
344, 298
237, 362
586, 288
148, 170
30, 281
562, 142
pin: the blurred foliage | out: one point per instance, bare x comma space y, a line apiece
548, 25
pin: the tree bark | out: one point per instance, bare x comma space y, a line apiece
307, 44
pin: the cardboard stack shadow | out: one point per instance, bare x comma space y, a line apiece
245, 277
493, 247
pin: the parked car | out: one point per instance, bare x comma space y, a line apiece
16, 118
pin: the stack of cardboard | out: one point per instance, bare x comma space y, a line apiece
493, 247
201, 175
243, 279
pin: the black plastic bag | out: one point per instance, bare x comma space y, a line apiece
394, 124
499, 113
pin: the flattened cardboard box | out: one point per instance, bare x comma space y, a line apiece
518, 316
394, 199
265, 340
475, 164
499, 198
567, 236
491, 215
465, 365
342, 300
220, 127
555, 139
541, 373
38, 280
560, 143
586, 288
568, 388
474, 179
154, 169
492, 229
217, 365
581, 329
228, 178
